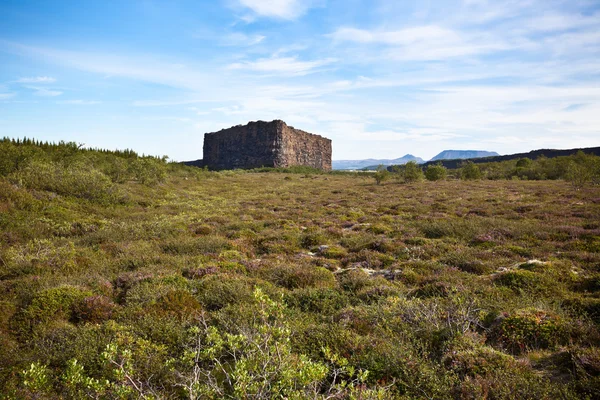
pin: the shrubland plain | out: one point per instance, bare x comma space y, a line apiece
127, 277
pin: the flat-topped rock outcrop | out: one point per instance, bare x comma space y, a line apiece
265, 144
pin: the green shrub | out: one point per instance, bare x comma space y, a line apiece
527, 281
529, 329
470, 171
294, 276
148, 171
353, 280
411, 172
217, 291
477, 360
76, 180
334, 252
379, 229
41, 256
94, 309
147, 291
433, 289
317, 300
381, 175
436, 172
48, 305
312, 237
18, 198
178, 303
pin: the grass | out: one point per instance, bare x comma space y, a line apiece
429, 286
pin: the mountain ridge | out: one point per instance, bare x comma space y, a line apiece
369, 162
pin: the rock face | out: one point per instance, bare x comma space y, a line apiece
268, 144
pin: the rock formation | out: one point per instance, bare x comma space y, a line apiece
268, 144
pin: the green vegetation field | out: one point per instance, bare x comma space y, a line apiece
127, 277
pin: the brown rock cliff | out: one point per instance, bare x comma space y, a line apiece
268, 144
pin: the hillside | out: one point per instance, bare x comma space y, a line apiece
129, 277
360, 164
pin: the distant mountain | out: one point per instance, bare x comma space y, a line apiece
463, 154
548, 153
360, 164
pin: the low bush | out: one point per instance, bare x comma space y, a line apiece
529, 329
353, 280
523, 281
93, 309
294, 276
219, 290
317, 300
48, 305
76, 180
178, 303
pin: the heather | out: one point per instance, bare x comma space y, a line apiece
125, 276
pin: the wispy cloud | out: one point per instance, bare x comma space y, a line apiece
36, 79
428, 42
282, 65
396, 37
281, 9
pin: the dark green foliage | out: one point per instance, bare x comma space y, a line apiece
470, 171
317, 300
411, 172
436, 172
47, 306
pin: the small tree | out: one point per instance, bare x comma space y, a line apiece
412, 172
382, 174
524, 163
436, 172
583, 169
470, 171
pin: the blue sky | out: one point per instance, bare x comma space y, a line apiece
382, 78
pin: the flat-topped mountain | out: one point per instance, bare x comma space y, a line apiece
463, 154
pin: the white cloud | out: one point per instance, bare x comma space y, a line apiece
282, 65
282, 9
429, 42
397, 37
4, 96
36, 79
